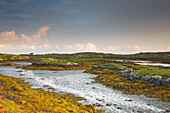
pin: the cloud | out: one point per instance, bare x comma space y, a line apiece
66, 2
9, 40
43, 30
90, 47
2, 46
136, 47
15, 1
113, 48
12, 1
57, 47
68, 46
168, 48
124, 49
32, 47
81, 47
8, 37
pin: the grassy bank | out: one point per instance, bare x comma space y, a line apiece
19, 97
140, 70
81, 66
110, 79
12, 57
53, 61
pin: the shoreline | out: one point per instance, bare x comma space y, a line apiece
111, 79
37, 100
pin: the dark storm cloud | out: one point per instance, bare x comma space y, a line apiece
15, 1
15, 14
12, 1
15, 18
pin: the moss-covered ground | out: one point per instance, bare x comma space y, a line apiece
139, 69
81, 66
8, 64
109, 77
20, 98
12, 57
53, 61
136, 87
37, 100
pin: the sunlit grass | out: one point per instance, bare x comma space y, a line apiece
53, 61
161, 72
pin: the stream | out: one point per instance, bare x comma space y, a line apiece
79, 84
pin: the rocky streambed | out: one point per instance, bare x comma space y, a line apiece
80, 84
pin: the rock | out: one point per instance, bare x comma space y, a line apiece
99, 99
87, 83
156, 79
50, 88
45, 85
93, 88
167, 110
98, 105
28, 78
130, 78
165, 82
75, 64
114, 86
42, 78
108, 104
129, 100
19, 71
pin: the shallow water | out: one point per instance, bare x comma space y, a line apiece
79, 84
140, 62
152, 63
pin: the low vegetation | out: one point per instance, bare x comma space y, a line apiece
111, 79
87, 59
8, 64
24, 99
12, 57
139, 69
3, 108
80, 66
165, 73
53, 61
157, 56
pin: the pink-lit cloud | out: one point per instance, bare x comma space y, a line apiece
9, 40
124, 49
81, 47
168, 48
8, 37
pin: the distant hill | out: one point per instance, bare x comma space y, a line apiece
147, 55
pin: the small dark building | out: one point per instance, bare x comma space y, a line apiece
31, 54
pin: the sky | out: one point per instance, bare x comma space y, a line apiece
69, 26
